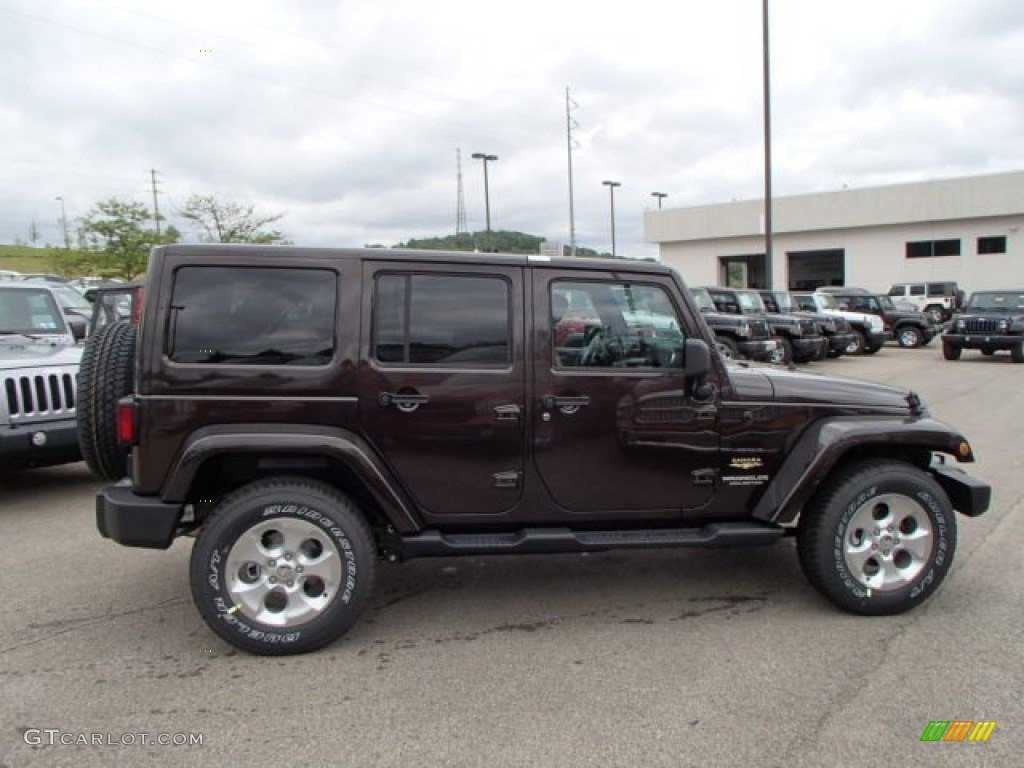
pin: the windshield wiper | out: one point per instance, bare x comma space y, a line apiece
23, 335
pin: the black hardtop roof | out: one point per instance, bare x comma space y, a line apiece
255, 254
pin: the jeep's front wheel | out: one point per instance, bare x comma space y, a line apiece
283, 566
878, 539
857, 344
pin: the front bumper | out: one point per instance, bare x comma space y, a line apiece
136, 521
877, 338
761, 350
810, 348
838, 342
982, 341
40, 444
968, 495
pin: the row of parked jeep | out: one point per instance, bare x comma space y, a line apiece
803, 326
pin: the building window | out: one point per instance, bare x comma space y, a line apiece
926, 249
995, 244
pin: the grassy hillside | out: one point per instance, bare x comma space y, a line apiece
22, 258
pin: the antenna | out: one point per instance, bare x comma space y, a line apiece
570, 125
460, 205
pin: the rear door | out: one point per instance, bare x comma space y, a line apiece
442, 397
614, 429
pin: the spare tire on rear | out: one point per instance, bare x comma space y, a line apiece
105, 375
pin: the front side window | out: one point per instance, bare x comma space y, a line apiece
614, 325
253, 316
442, 320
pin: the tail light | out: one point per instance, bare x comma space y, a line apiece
127, 421
140, 293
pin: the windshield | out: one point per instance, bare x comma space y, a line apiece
29, 312
1003, 301
785, 302
826, 301
702, 300
750, 302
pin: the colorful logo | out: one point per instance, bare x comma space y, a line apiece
958, 730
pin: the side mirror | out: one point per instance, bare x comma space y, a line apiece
78, 327
697, 359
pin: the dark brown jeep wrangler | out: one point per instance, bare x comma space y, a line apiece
306, 414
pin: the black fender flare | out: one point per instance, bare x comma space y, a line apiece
823, 445
300, 440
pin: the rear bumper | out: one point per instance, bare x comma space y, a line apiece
968, 495
40, 444
136, 521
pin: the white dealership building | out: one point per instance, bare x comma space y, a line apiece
967, 230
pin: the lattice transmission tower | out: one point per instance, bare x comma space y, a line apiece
460, 204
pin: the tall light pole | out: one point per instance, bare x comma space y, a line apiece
64, 224
769, 266
611, 192
487, 191
660, 196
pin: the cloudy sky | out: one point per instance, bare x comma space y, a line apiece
346, 114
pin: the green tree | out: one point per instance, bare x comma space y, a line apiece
222, 221
117, 235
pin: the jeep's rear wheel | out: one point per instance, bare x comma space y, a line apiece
950, 351
283, 566
105, 375
857, 344
910, 337
935, 313
878, 539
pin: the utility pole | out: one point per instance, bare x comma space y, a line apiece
460, 204
611, 192
64, 223
660, 196
487, 192
156, 205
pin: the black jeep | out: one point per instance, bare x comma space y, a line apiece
991, 321
908, 327
799, 335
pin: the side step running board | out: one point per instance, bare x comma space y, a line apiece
541, 540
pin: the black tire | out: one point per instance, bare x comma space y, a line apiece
950, 351
302, 545
891, 567
909, 337
832, 354
1017, 353
857, 345
105, 375
988, 352
870, 350
727, 348
936, 314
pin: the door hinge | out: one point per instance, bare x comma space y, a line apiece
704, 476
508, 479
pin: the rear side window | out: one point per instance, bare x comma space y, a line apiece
442, 320
253, 316
917, 290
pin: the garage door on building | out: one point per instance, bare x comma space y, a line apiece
812, 269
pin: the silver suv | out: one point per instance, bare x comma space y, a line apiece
39, 359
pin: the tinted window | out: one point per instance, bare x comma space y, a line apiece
917, 290
451, 320
614, 325
924, 249
994, 244
249, 315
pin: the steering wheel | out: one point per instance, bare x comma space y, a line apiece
599, 349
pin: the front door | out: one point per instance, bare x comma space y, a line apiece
614, 428
443, 396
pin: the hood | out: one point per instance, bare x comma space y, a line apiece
23, 353
785, 386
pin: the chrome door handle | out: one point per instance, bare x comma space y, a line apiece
565, 404
407, 403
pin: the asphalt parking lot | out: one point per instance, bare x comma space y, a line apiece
678, 658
